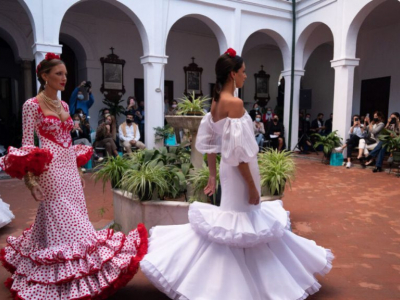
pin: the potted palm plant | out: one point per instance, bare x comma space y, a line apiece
190, 105
276, 170
328, 142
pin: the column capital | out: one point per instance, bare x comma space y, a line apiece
345, 62
287, 73
45, 48
154, 59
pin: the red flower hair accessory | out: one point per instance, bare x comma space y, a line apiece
231, 52
50, 56
38, 68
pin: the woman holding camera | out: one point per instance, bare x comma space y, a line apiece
61, 256
77, 99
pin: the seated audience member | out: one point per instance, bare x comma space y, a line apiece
80, 134
104, 137
102, 113
129, 134
132, 108
259, 131
356, 133
267, 118
379, 151
328, 125
140, 114
276, 129
373, 130
317, 124
254, 111
84, 118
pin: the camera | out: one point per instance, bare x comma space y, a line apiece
88, 85
393, 121
356, 119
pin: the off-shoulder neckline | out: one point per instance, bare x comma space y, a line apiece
212, 118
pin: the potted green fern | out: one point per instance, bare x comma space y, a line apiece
190, 105
111, 170
277, 168
328, 142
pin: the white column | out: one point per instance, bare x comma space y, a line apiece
296, 106
40, 50
153, 95
343, 94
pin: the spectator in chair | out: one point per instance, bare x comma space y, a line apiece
254, 111
259, 131
104, 137
328, 125
277, 129
132, 108
356, 133
129, 134
102, 113
317, 126
379, 151
77, 100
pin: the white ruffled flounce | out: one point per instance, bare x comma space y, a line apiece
185, 265
239, 229
6, 215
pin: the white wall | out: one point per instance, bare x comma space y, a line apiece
378, 51
181, 47
320, 77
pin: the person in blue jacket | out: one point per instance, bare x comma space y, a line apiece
77, 100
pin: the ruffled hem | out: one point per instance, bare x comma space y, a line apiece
24, 246
239, 229
26, 159
159, 281
76, 279
83, 154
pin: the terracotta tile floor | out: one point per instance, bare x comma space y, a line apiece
354, 212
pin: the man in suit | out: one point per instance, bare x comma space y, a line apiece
317, 125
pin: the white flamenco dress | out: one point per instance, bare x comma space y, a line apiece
6, 215
236, 251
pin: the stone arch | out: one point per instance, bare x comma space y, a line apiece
355, 25
305, 46
124, 6
280, 41
216, 29
17, 40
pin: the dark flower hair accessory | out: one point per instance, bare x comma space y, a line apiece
50, 56
231, 52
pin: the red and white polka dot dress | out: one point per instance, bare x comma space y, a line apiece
61, 256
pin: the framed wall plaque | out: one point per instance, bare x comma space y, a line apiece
193, 79
113, 76
262, 87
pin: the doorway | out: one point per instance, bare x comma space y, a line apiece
375, 94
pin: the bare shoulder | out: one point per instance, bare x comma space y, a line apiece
235, 107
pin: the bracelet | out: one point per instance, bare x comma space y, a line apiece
30, 180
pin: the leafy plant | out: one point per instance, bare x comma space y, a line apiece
328, 142
115, 107
112, 169
198, 180
390, 140
190, 105
276, 170
144, 180
162, 133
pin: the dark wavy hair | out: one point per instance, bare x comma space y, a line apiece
224, 66
45, 67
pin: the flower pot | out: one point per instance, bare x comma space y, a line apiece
266, 195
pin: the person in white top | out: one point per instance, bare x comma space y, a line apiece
129, 134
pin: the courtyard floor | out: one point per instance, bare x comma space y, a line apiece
354, 212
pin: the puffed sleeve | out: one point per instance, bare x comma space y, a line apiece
28, 158
207, 140
83, 154
238, 141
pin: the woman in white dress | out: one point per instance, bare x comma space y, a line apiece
242, 250
6, 215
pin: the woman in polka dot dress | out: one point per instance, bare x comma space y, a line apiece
61, 256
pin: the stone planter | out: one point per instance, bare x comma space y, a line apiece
192, 123
130, 212
266, 196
